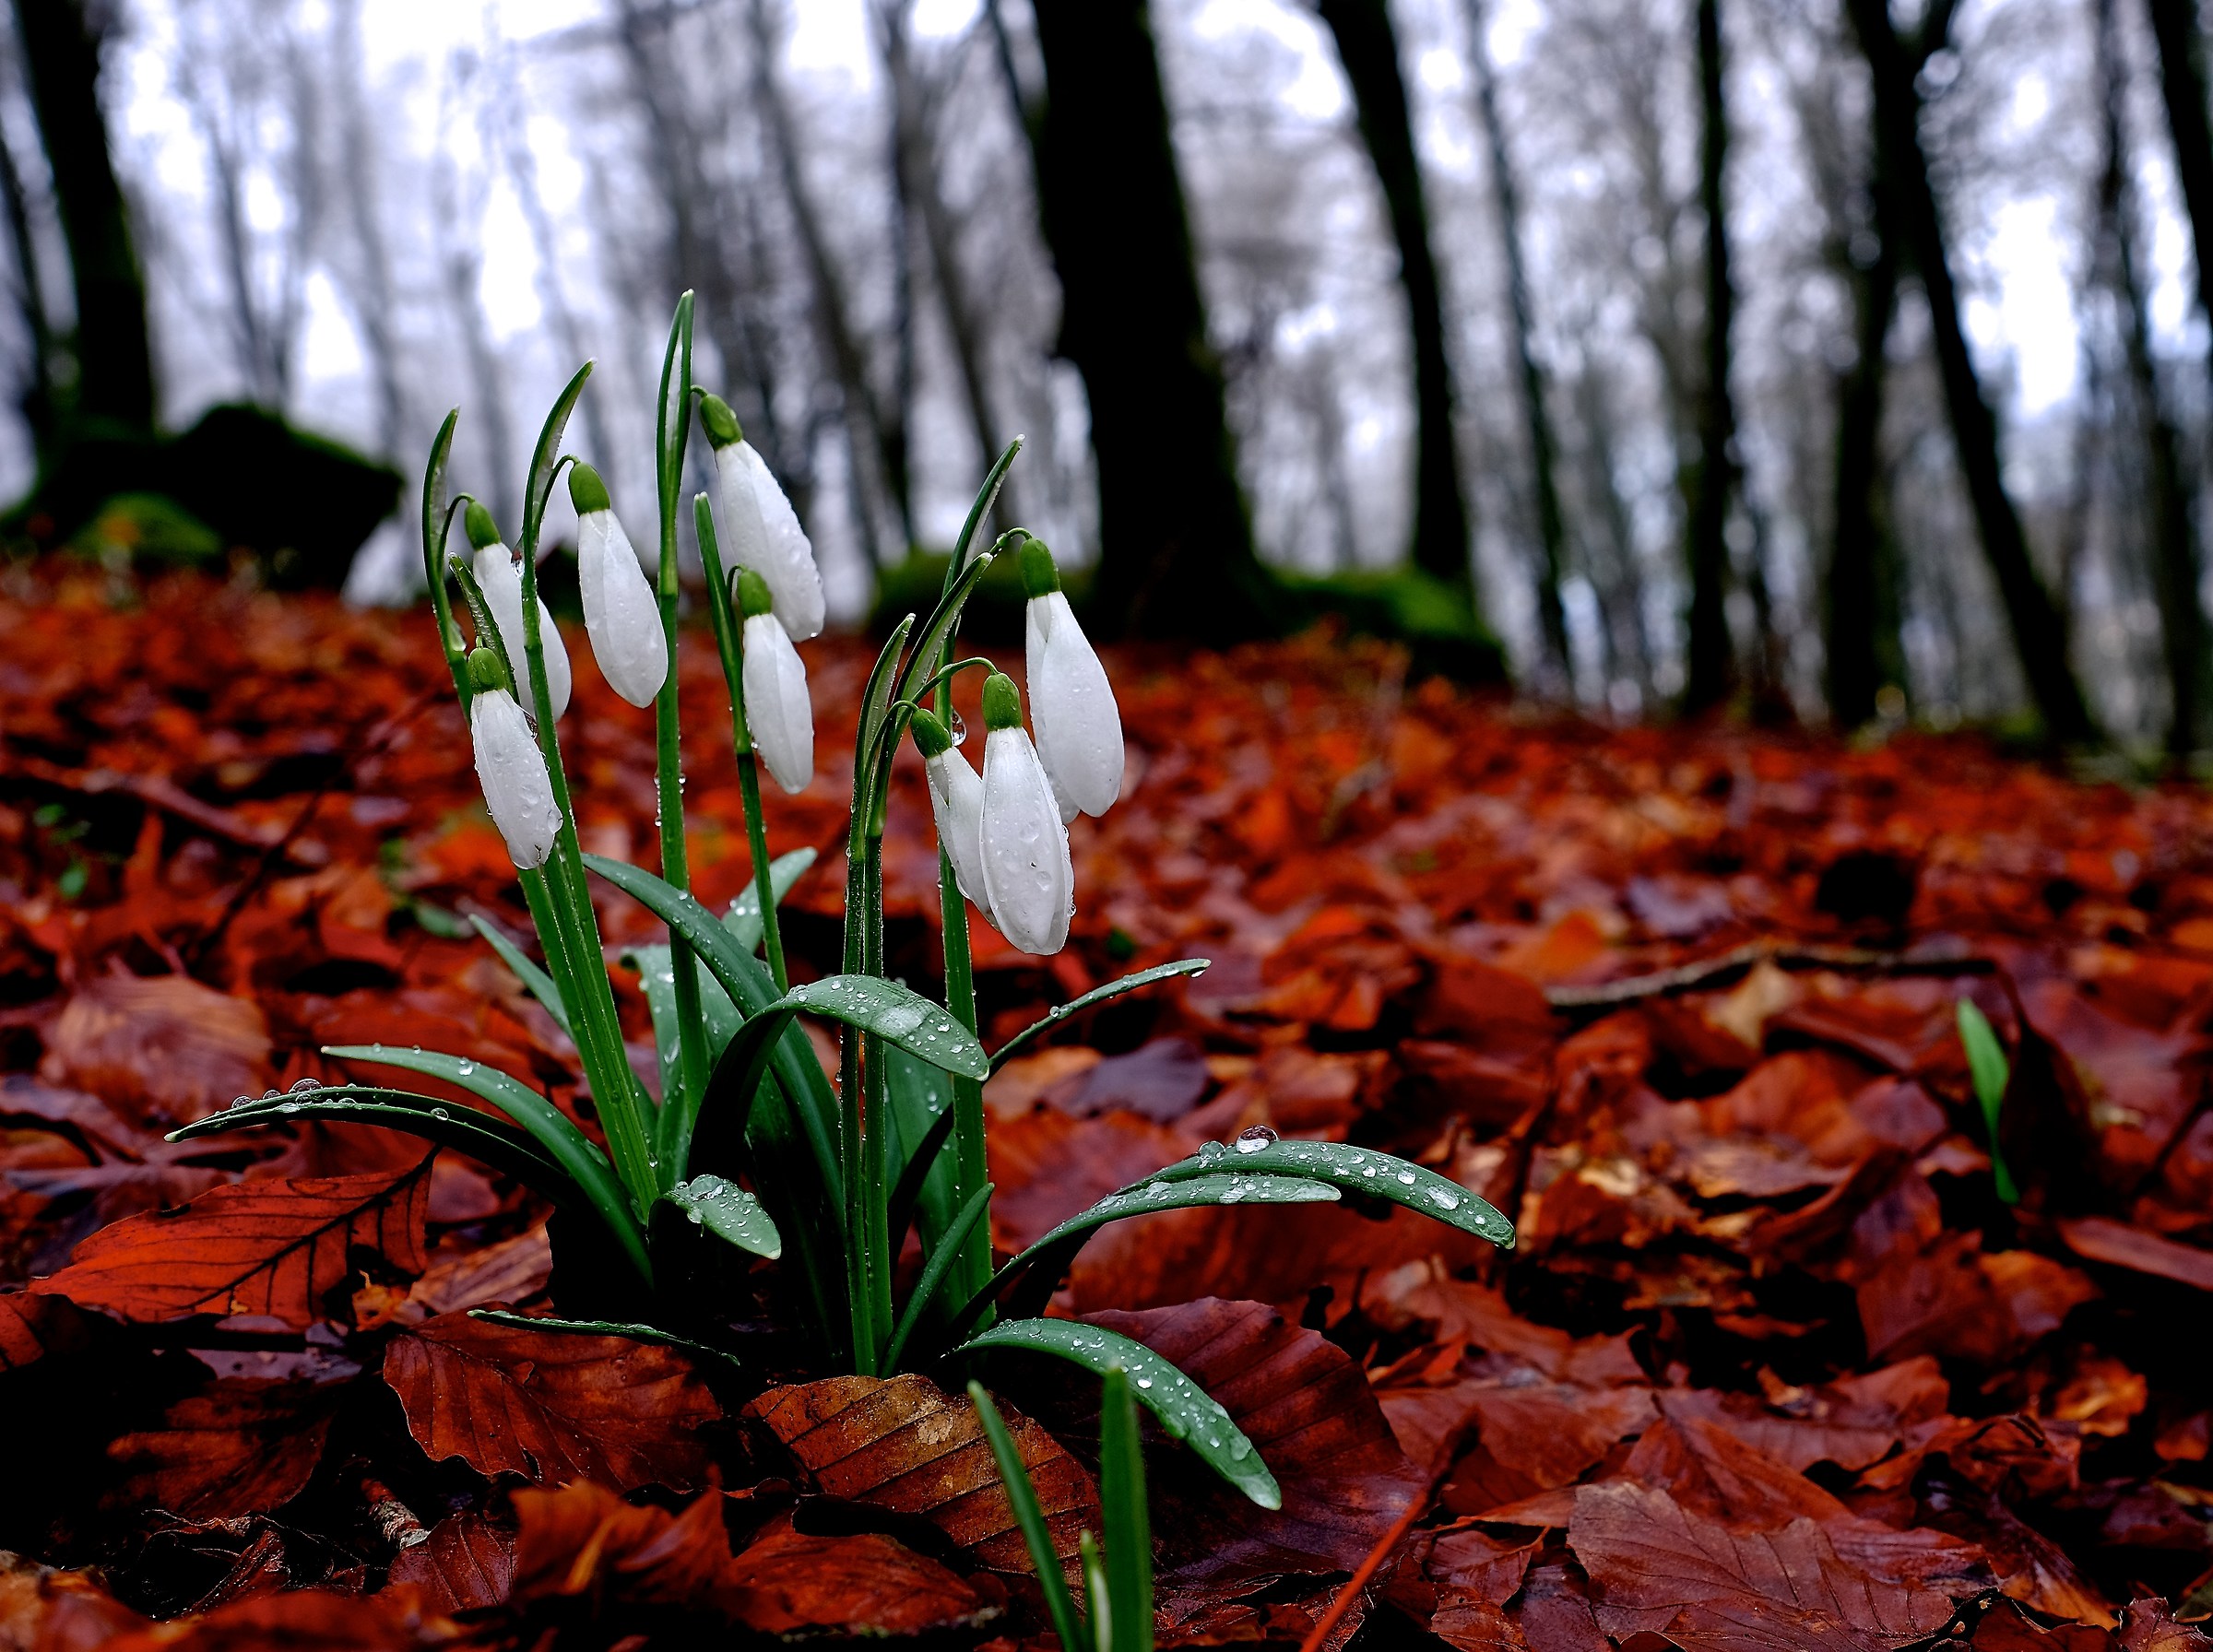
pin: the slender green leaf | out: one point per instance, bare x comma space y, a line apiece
435, 525
656, 980
1991, 1073
1181, 1405
899, 1016
536, 980
743, 919
930, 641
986, 496
729, 1211
1098, 995
933, 1274
490, 1141
544, 459
1128, 1521
603, 1328
921, 1104
1022, 1495
1096, 1597
1353, 1169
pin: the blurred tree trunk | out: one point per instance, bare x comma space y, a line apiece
371, 290
1544, 446
2038, 624
2176, 563
37, 399
877, 432
1368, 47
1712, 663
115, 360
1860, 643
1175, 555
2182, 85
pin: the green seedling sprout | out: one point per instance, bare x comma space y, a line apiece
1990, 1072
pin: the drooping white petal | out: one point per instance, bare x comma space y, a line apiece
500, 580
956, 798
1024, 846
765, 534
776, 707
512, 770
1071, 707
620, 613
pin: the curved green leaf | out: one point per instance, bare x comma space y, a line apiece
728, 1211
481, 1137
743, 919
534, 980
1183, 1407
549, 1126
1099, 995
1353, 1169
933, 1273
543, 458
1021, 1497
898, 1015
601, 1328
986, 496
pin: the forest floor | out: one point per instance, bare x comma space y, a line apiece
1771, 1365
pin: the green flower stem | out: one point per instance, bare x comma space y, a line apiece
437, 520
670, 434
742, 738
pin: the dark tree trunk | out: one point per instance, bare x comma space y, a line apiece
2182, 84
1544, 447
2176, 558
114, 361
1368, 48
36, 400
1860, 644
1175, 556
1712, 664
2038, 625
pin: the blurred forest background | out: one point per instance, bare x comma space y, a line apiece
1821, 359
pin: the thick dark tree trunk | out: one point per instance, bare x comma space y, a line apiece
1859, 643
2182, 84
1544, 447
1368, 48
1712, 663
2038, 625
1176, 554
2175, 557
114, 361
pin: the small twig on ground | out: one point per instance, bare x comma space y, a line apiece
1708, 971
1387, 1545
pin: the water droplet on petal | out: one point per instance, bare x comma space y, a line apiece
957, 729
1253, 1140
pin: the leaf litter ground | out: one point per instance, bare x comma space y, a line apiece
1771, 1367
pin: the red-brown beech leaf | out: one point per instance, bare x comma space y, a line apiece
904, 1446
585, 1540
549, 1406
1659, 1569
2150, 1626
274, 1249
243, 1445
29, 1325
54, 1610
789, 1583
166, 1050
464, 1564
298, 1620
1307, 1409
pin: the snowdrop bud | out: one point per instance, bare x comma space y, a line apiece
777, 711
1079, 725
510, 767
956, 798
620, 613
759, 529
500, 580
1023, 843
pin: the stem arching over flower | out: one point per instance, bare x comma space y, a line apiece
777, 709
501, 582
759, 525
1072, 704
621, 614
510, 767
1023, 844
956, 800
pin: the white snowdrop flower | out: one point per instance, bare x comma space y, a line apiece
510, 767
760, 529
501, 579
956, 798
620, 613
1072, 704
777, 711
1022, 841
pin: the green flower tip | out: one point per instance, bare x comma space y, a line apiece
1003, 701
587, 492
1040, 573
930, 737
482, 530
752, 592
721, 424
485, 672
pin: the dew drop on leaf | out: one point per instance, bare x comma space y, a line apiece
1253, 1140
